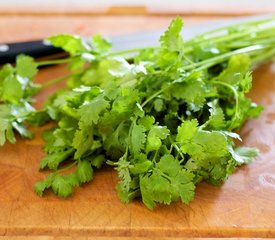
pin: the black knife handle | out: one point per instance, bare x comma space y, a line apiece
36, 49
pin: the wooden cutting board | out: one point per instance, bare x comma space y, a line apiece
244, 206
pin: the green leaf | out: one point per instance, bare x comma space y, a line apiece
141, 167
147, 122
181, 180
100, 44
171, 40
90, 112
61, 187
244, 155
41, 186
146, 191
83, 140
201, 144
98, 161
238, 66
138, 138
158, 105
168, 182
216, 120
26, 67
84, 171
53, 160
155, 135
187, 130
245, 83
193, 92
72, 179
122, 168
12, 90
6, 132
71, 44
6, 71
38, 118
122, 193
23, 131
168, 164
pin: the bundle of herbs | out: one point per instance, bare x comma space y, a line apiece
163, 117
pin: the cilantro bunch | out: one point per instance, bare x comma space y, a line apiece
163, 117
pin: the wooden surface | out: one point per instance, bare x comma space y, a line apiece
138, 7
242, 207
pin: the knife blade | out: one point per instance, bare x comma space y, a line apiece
40, 48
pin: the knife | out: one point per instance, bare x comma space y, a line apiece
40, 48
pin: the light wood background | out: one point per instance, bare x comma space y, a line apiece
242, 207
145, 7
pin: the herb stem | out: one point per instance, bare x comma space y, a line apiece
227, 37
221, 58
265, 56
236, 25
133, 50
54, 62
236, 115
155, 95
179, 152
67, 168
54, 81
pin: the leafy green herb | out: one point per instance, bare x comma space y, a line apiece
163, 118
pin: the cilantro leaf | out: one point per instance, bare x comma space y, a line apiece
6, 132
171, 40
167, 183
61, 187
98, 161
244, 155
53, 160
193, 92
89, 112
124, 175
138, 138
71, 44
238, 66
83, 140
201, 144
155, 135
25, 66
12, 90
84, 171
41, 186
100, 44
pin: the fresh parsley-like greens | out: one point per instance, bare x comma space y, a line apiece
162, 116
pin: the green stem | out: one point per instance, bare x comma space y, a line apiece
236, 25
152, 97
255, 27
235, 96
155, 157
53, 62
54, 81
221, 58
68, 167
130, 51
265, 56
179, 152
155, 95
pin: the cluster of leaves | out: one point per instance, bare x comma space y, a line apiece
16, 91
163, 118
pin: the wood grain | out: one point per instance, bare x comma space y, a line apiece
242, 207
